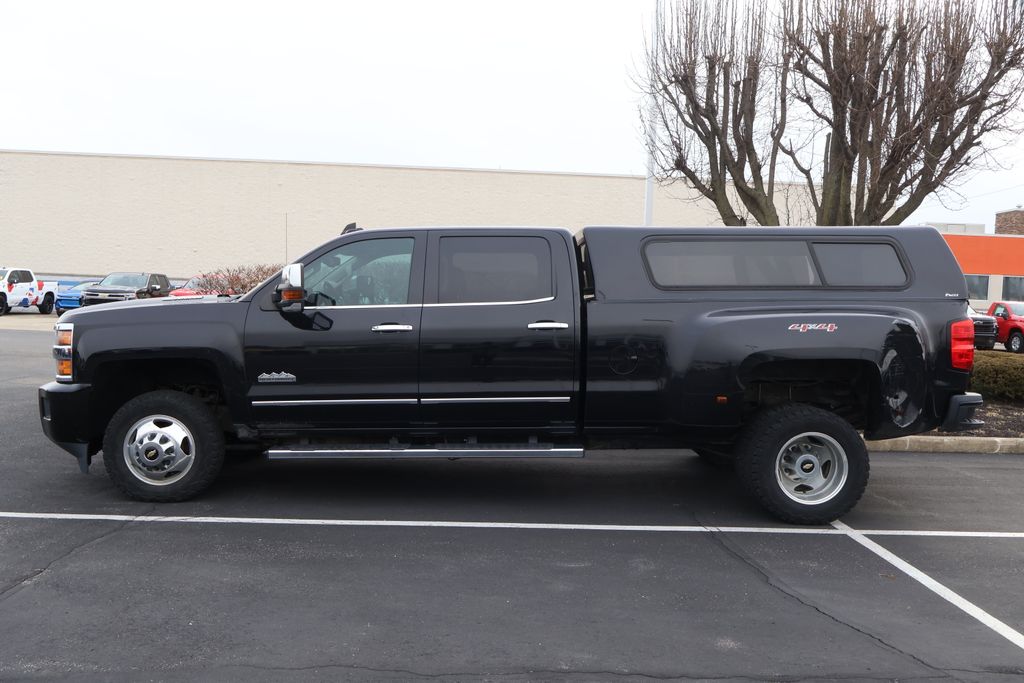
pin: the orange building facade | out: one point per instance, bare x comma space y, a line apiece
993, 266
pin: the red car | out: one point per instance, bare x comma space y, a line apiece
193, 287
1009, 317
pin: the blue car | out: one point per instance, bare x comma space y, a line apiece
70, 298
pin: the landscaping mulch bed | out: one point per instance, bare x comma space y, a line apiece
1002, 418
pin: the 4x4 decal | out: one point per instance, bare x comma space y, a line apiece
813, 327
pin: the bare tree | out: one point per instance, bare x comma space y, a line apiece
871, 105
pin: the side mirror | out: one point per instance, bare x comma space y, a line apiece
290, 294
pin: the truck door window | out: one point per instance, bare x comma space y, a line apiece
372, 272
494, 270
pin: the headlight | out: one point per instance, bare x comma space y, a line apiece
63, 351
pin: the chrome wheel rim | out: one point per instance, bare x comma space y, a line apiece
159, 450
811, 468
1015, 343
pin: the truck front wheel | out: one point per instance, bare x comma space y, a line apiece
805, 465
163, 446
4, 308
1015, 343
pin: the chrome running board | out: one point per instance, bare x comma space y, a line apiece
399, 452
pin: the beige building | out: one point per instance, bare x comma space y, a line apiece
86, 214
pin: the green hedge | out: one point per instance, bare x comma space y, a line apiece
998, 374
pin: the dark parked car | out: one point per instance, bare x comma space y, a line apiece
125, 286
767, 349
985, 330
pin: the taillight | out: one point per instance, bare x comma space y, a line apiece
961, 346
63, 351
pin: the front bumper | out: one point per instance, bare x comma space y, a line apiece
960, 413
984, 341
64, 413
68, 304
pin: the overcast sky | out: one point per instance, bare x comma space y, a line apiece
529, 84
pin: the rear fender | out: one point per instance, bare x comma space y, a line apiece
892, 347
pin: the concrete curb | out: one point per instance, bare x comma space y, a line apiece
948, 444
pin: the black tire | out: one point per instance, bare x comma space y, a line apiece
760, 455
58, 310
716, 459
206, 446
1015, 342
4, 308
46, 308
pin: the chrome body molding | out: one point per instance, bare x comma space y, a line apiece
411, 401
340, 308
336, 402
492, 303
498, 399
467, 303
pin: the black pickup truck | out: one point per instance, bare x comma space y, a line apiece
765, 349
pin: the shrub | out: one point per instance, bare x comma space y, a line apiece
237, 279
998, 374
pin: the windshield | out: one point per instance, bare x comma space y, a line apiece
193, 283
82, 285
3, 274
136, 280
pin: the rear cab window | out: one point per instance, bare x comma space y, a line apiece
498, 269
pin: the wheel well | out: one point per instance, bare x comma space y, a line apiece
844, 387
118, 381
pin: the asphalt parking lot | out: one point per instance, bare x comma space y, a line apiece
625, 565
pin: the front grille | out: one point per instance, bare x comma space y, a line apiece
89, 300
984, 327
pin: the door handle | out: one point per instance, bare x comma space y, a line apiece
547, 325
391, 327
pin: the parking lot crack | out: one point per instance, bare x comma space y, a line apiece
24, 581
779, 585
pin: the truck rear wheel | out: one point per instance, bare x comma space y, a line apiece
46, 308
803, 464
163, 446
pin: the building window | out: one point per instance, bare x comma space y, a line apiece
1013, 288
977, 286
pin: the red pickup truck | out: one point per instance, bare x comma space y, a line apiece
1009, 317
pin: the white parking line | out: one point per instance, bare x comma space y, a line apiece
1014, 636
302, 521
